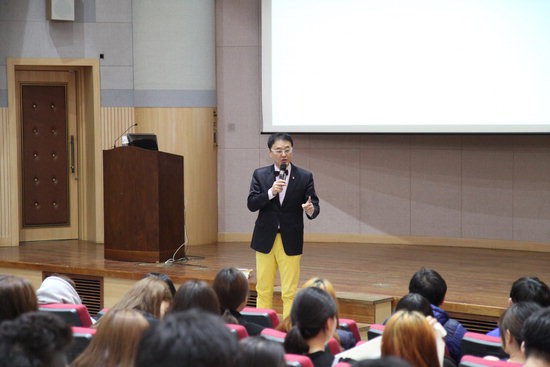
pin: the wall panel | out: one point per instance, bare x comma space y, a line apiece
115, 120
5, 160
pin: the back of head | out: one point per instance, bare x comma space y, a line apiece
115, 342
166, 279
259, 352
17, 296
513, 318
189, 338
321, 283
57, 289
430, 284
536, 335
310, 311
231, 287
196, 294
408, 335
147, 296
415, 302
530, 289
37, 339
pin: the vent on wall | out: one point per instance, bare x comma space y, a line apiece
89, 288
62, 10
476, 323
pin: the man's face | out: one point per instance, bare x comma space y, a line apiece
281, 152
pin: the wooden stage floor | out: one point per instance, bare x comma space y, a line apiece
478, 279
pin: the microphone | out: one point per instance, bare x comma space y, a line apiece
125, 131
282, 172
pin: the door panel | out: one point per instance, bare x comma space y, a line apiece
44, 153
47, 165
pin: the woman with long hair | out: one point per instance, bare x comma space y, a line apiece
409, 335
510, 324
116, 340
17, 296
313, 318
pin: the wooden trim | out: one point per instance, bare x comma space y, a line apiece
407, 240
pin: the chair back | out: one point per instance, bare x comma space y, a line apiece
473, 361
81, 338
238, 330
374, 331
350, 325
273, 335
481, 345
298, 360
74, 315
262, 316
333, 347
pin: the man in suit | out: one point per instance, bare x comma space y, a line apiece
278, 237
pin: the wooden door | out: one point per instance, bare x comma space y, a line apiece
48, 168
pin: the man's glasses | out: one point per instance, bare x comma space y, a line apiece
286, 151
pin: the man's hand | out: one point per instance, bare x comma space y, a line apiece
308, 206
278, 187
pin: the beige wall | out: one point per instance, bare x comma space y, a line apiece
4, 179
465, 189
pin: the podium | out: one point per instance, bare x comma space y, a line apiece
143, 204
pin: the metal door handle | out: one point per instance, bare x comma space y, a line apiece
73, 167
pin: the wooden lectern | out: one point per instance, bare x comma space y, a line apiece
144, 205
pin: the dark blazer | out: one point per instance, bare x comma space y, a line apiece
289, 216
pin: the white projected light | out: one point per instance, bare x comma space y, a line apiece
390, 66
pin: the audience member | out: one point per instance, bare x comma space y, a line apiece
151, 296
189, 338
166, 279
115, 342
259, 352
313, 317
344, 337
196, 294
527, 289
536, 339
388, 361
17, 296
37, 339
58, 289
231, 287
409, 335
511, 324
430, 284
409, 302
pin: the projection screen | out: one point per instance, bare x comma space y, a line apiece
406, 66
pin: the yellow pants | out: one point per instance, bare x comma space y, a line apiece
266, 271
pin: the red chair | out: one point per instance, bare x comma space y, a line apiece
261, 316
297, 360
74, 315
273, 335
350, 325
481, 345
473, 361
238, 330
342, 364
81, 338
333, 346
374, 331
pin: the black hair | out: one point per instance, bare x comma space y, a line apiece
189, 338
310, 311
279, 136
530, 289
513, 318
166, 279
415, 302
256, 351
231, 287
195, 294
34, 339
430, 284
536, 335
